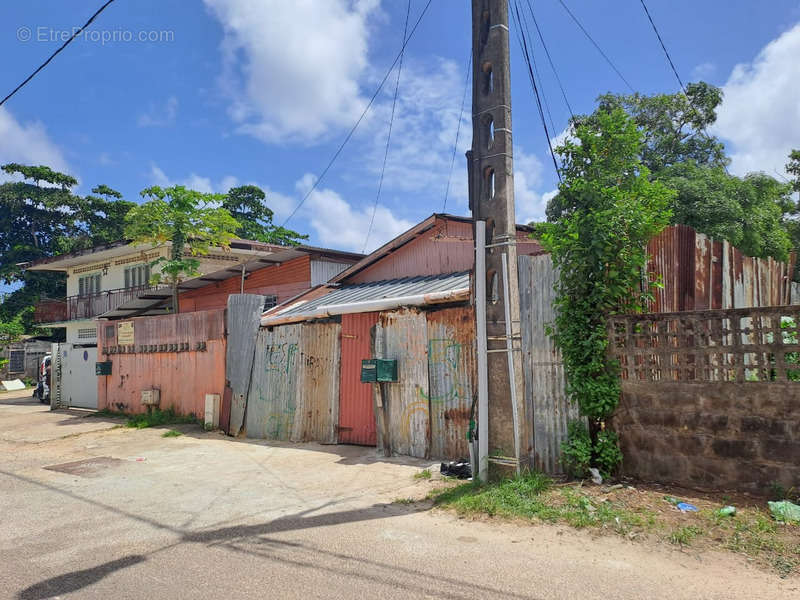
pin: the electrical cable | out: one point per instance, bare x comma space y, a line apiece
524, 47
550, 60
596, 45
537, 74
458, 131
75, 34
361, 118
663, 47
389, 134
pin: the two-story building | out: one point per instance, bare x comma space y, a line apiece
113, 282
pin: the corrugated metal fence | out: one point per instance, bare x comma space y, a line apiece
699, 273
545, 397
294, 395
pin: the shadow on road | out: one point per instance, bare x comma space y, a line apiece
76, 580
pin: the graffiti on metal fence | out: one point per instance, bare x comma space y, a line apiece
443, 362
281, 357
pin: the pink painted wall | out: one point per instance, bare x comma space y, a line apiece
158, 361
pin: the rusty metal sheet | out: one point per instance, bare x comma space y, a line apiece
272, 401
402, 335
317, 383
184, 378
452, 373
545, 397
243, 320
699, 273
356, 403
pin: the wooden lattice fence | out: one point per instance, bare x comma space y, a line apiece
735, 345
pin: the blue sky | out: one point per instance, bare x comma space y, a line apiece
262, 91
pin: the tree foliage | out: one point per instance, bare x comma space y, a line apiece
10, 331
793, 168
41, 216
674, 126
191, 221
610, 208
246, 204
750, 212
754, 213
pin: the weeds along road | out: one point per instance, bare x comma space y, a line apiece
88, 510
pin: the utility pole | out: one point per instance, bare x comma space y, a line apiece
491, 197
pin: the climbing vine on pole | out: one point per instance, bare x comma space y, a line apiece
598, 243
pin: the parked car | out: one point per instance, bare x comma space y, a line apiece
42, 390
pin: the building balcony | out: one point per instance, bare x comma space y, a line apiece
75, 308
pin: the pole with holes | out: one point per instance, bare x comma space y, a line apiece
491, 193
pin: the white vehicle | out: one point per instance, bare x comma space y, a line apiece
42, 390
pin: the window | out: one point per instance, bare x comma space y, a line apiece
88, 333
270, 302
137, 276
89, 284
16, 361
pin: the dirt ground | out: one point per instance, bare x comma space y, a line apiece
92, 510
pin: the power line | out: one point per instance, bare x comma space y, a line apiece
458, 131
361, 118
675, 71
596, 45
537, 74
388, 135
663, 47
526, 55
53, 55
550, 60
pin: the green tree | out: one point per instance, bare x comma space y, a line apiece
189, 221
750, 212
10, 331
246, 204
104, 213
610, 208
674, 126
40, 216
793, 168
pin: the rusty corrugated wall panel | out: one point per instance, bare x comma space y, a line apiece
184, 377
543, 367
317, 383
402, 335
356, 423
272, 401
452, 373
243, 320
700, 273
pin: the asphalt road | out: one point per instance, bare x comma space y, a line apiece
87, 511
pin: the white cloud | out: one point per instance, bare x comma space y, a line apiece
160, 116
28, 143
528, 202
292, 69
340, 225
703, 71
423, 132
760, 112
568, 133
193, 181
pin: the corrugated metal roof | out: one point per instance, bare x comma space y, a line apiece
378, 290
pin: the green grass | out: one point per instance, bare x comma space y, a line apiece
424, 474
403, 501
683, 536
534, 497
152, 418
171, 433
157, 417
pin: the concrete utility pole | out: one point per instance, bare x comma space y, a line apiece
491, 193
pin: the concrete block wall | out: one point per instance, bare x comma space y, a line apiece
714, 435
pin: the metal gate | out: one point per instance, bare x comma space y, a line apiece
356, 410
